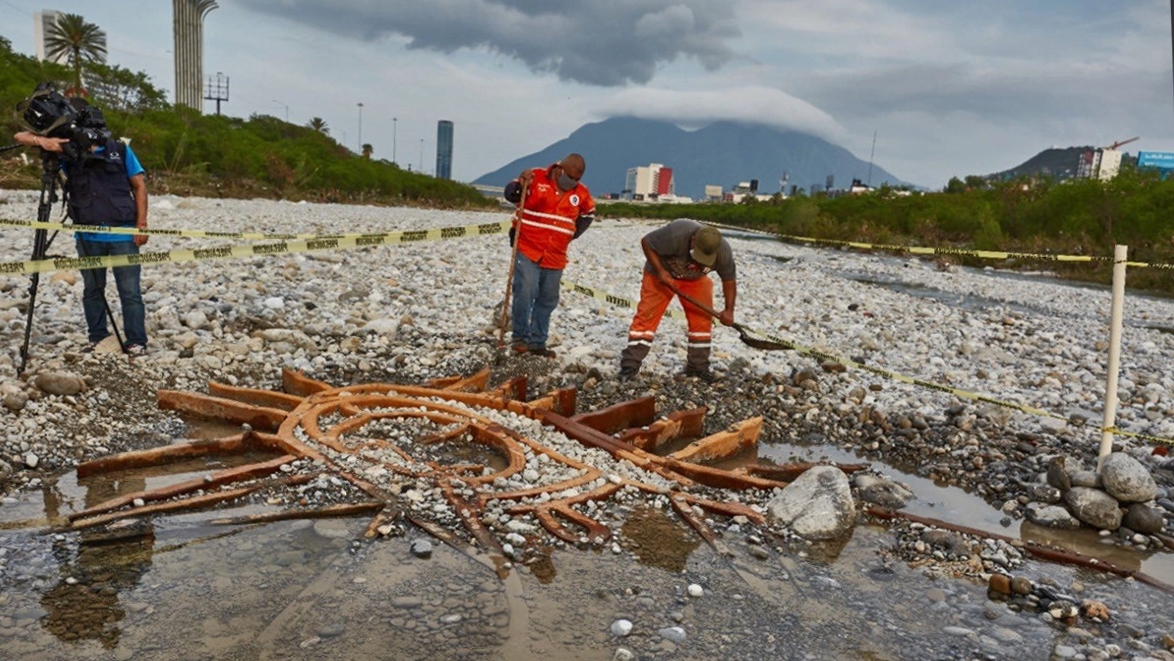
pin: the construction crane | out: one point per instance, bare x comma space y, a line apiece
1122, 142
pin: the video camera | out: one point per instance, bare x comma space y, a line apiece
50, 114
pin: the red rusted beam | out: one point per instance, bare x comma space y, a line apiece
727, 443
1055, 555
678, 424
238, 474
169, 454
296, 383
473, 383
268, 419
717, 477
170, 506
345, 509
618, 417
263, 398
790, 472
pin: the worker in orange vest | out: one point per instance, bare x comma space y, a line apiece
558, 208
680, 256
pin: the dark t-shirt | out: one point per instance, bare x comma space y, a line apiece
671, 244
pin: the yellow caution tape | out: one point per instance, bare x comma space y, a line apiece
617, 301
341, 242
955, 252
880, 371
1133, 434
195, 234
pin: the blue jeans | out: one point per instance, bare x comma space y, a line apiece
535, 297
126, 278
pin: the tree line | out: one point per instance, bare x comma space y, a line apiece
1038, 215
187, 153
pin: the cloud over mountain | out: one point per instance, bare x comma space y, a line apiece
597, 42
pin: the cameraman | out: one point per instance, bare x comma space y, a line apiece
105, 186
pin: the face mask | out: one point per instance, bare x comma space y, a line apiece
566, 182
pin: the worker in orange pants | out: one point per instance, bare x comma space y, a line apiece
680, 256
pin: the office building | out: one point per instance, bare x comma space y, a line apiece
648, 182
444, 149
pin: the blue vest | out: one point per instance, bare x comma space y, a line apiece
99, 190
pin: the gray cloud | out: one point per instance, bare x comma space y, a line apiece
597, 42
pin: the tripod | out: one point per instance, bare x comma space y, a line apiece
50, 169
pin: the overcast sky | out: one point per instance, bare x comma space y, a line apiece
948, 88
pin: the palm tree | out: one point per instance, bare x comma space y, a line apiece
367, 149
319, 125
80, 42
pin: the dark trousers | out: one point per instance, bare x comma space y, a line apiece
128, 281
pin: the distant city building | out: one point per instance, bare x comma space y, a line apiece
649, 182
1100, 164
43, 21
743, 190
444, 149
188, 34
713, 193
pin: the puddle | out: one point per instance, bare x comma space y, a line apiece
657, 540
307, 590
62, 495
206, 429
955, 505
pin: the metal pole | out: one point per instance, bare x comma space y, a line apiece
1120, 254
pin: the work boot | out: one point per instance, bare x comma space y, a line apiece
519, 347
542, 351
628, 373
702, 373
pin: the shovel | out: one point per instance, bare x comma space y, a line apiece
744, 333
509, 282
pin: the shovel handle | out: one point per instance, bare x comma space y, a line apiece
696, 303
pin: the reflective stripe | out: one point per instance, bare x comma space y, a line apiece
646, 343
698, 345
701, 336
548, 216
647, 334
547, 226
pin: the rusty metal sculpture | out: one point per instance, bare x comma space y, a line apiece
339, 430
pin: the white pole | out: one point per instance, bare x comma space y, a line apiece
1120, 255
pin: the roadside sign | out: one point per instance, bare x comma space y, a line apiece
1156, 159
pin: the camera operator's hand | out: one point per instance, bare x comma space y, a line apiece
30, 139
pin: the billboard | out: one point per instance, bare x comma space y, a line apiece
1155, 159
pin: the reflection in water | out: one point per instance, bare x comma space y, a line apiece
84, 603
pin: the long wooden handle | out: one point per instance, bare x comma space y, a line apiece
698, 304
505, 306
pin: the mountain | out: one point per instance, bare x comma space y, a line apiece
723, 153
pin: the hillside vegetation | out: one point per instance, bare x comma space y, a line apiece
1041, 216
186, 153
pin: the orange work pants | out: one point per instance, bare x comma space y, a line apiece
654, 300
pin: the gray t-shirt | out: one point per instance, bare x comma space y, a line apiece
671, 244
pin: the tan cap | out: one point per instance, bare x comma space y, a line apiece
706, 242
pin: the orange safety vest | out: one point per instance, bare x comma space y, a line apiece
548, 219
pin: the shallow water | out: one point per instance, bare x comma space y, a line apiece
180, 587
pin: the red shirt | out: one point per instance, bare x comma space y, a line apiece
548, 219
